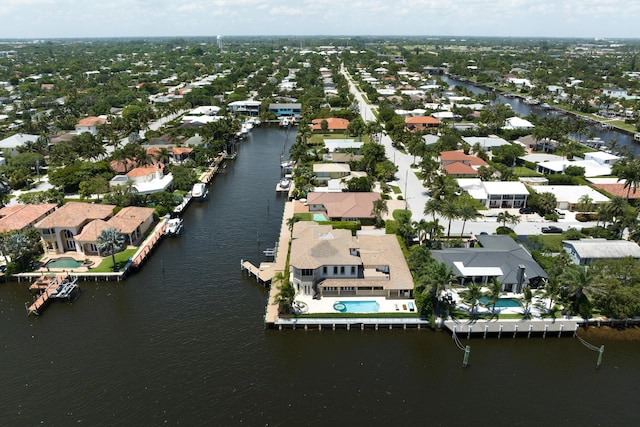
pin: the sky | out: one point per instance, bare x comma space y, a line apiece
39, 19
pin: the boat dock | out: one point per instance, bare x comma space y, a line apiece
514, 327
51, 287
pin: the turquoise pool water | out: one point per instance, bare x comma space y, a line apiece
319, 217
502, 302
63, 263
356, 306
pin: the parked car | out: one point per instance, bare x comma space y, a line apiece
561, 214
525, 211
552, 229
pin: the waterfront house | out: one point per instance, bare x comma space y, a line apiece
331, 262
499, 257
334, 124
288, 109
248, 107
602, 158
323, 172
134, 222
339, 157
586, 251
90, 124
145, 179
18, 217
58, 229
343, 206
333, 145
516, 122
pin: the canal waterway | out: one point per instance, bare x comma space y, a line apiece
182, 342
523, 109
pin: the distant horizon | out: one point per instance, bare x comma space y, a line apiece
320, 36
533, 19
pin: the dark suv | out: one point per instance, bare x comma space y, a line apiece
551, 229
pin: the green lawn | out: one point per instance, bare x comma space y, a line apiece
523, 171
396, 189
106, 266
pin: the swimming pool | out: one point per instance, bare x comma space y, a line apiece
319, 217
64, 262
356, 306
502, 302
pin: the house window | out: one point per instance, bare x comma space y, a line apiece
335, 270
342, 270
67, 233
93, 248
353, 269
307, 272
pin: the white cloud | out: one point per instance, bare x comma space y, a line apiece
79, 18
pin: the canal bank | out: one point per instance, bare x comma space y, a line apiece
183, 342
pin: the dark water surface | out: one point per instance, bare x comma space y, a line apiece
182, 342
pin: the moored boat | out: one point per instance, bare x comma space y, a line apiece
199, 191
174, 226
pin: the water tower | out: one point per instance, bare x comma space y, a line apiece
219, 40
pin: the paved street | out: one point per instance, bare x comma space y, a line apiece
416, 195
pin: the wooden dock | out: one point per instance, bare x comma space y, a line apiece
48, 288
148, 245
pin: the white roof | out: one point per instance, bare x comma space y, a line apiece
602, 248
505, 187
486, 142
331, 167
517, 123
335, 144
209, 110
17, 140
601, 155
571, 193
477, 271
541, 157
591, 167
474, 187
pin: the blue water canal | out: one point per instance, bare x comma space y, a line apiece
182, 342
523, 109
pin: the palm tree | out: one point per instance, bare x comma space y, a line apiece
110, 242
286, 292
494, 294
432, 207
527, 297
585, 203
467, 209
472, 295
631, 176
450, 212
379, 208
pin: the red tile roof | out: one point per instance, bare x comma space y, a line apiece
332, 122
619, 190
19, 216
458, 168
422, 120
91, 121
75, 214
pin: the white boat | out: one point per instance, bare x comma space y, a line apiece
174, 226
284, 122
284, 183
199, 191
636, 137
